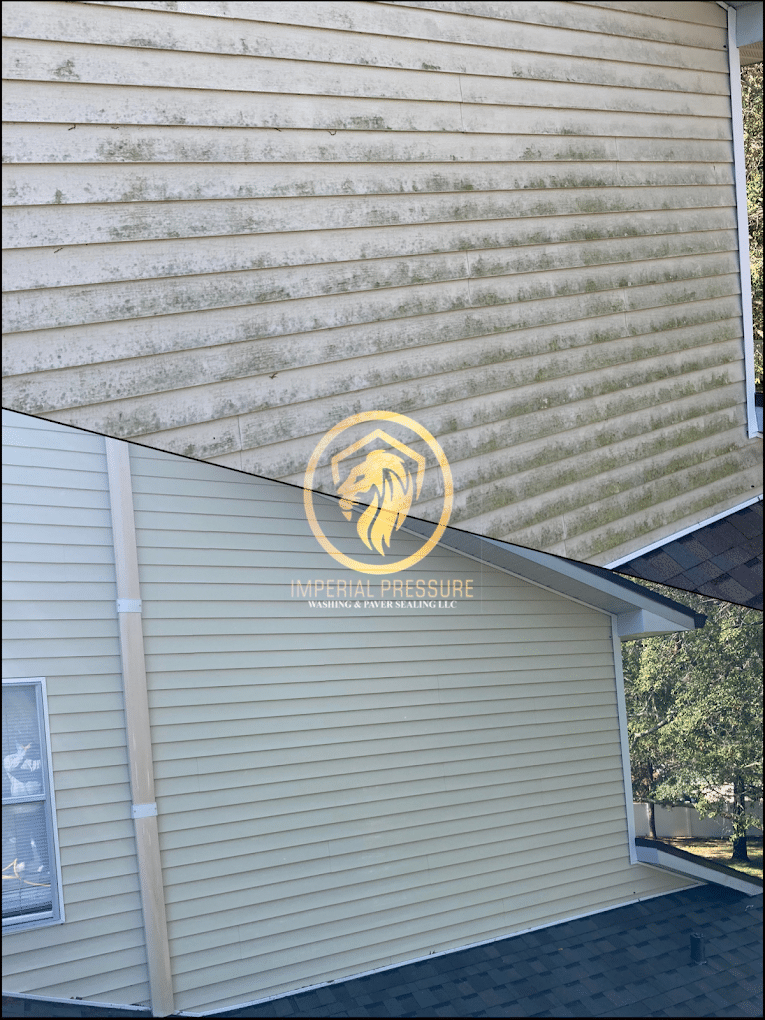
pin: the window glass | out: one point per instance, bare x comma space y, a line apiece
26, 842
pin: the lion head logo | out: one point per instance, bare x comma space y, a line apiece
383, 486
386, 477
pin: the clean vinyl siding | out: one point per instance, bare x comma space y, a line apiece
230, 227
60, 622
345, 789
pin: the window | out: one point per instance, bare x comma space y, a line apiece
31, 879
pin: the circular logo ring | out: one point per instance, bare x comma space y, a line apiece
348, 561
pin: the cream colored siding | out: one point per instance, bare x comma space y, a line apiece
342, 789
232, 226
60, 623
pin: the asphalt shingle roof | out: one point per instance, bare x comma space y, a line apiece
723, 560
630, 961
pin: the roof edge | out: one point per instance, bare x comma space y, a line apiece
669, 858
640, 612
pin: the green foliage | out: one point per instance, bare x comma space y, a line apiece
695, 713
751, 96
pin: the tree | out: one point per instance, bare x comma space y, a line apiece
695, 715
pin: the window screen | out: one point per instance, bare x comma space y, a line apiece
29, 864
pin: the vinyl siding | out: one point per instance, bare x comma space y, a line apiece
344, 789
60, 623
230, 227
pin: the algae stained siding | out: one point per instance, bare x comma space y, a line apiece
233, 225
342, 789
59, 621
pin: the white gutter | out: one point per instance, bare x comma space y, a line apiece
139, 750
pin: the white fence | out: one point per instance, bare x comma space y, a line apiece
685, 821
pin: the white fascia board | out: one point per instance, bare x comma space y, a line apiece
578, 581
655, 858
640, 624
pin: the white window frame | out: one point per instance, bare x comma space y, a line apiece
56, 914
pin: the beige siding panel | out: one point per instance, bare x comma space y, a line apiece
180, 408
65, 224
61, 624
117, 66
285, 41
452, 26
236, 225
368, 779
694, 11
58, 144
41, 185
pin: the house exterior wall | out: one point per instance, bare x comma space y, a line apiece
233, 225
337, 789
343, 789
59, 622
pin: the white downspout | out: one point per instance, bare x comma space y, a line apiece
140, 761
621, 711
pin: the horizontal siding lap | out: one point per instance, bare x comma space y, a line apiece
43, 102
360, 645
28, 269
108, 775
174, 410
645, 451
164, 30
305, 627
383, 845
454, 26
275, 853
393, 722
582, 681
95, 183
348, 776
50, 62
333, 671
302, 871
54, 143
324, 889
619, 210
349, 801
55, 556
392, 898
174, 759
465, 916
109, 941
402, 722
121, 975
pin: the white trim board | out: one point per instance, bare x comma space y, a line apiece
742, 218
653, 857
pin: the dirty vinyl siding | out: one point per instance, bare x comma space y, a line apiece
232, 226
342, 789
60, 623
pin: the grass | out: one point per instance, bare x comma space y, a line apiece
719, 850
